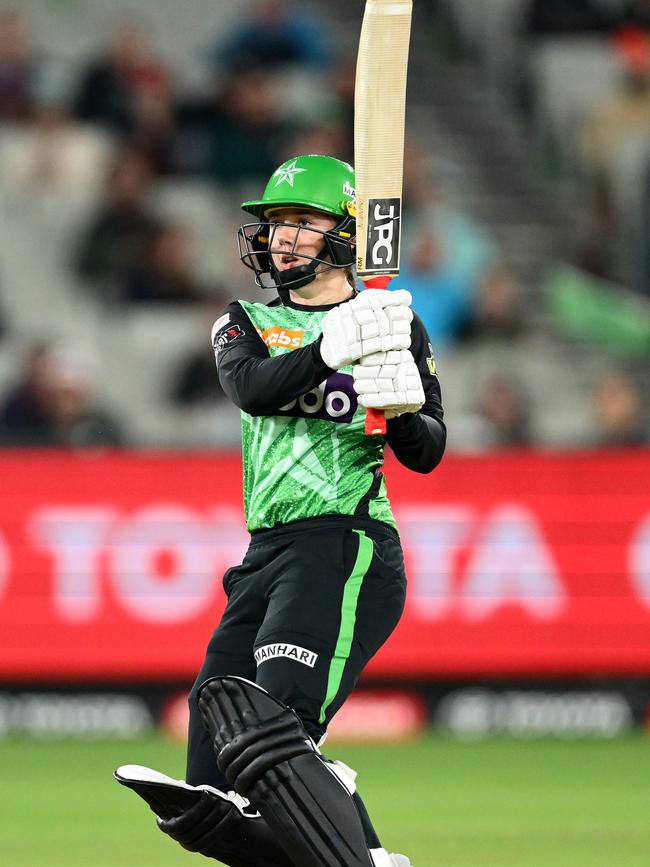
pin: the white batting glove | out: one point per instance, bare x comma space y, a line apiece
375, 320
389, 381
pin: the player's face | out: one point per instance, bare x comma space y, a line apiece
293, 239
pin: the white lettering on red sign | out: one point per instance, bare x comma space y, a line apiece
163, 563
509, 563
5, 564
169, 534
75, 538
433, 537
640, 561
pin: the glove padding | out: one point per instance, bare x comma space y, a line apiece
389, 381
375, 320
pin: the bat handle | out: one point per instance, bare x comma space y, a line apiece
377, 282
375, 418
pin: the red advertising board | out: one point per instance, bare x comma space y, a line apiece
110, 565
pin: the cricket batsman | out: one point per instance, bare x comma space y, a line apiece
322, 585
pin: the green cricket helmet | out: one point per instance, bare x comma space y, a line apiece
312, 181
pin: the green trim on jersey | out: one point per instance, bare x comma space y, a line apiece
316, 460
348, 620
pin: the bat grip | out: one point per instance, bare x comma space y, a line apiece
375, 418
377, 282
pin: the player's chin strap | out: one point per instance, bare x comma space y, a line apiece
293, 278
266, 755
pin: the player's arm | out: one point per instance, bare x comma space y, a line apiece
255, 382
259, 385
418, 439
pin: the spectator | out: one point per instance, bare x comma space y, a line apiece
151, 130
627, 111
441, 296
53, 153
166, 275
23, 408
18, 67
247, 130
446, 255
109, 84
195, 381
277, 33
497, 310
563, 17
116, 241
237, 134
636, 14
3, 319
504, 409
641, 264
615, 120
326, 138
53, 405
618, 413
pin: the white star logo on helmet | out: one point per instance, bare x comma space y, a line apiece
288, 173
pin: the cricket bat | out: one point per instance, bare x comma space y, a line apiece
379, 111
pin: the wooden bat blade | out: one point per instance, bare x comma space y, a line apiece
380, 105
379, 116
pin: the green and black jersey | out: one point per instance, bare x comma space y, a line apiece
305, 454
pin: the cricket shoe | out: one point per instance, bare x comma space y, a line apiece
203, 819
169, 798
381, 858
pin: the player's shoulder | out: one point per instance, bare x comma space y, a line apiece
232, 314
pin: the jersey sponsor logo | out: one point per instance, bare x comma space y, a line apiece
278, 336
290, 651
232, 332
333, 400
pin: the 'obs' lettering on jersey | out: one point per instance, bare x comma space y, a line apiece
278, 336
383, 235
333, 400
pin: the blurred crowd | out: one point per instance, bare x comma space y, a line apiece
108, 137
613, 131
579, 73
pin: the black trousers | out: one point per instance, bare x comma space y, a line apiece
310, 604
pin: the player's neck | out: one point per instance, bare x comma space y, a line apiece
331, 287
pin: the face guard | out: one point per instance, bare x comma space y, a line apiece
313, 182
257, 244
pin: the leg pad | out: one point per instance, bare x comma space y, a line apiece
264, 752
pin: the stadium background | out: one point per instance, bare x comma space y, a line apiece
504, 724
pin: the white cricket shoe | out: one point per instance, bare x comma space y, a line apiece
381, 858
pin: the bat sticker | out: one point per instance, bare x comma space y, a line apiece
383, 235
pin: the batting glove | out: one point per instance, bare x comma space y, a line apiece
389, 381
373, 321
